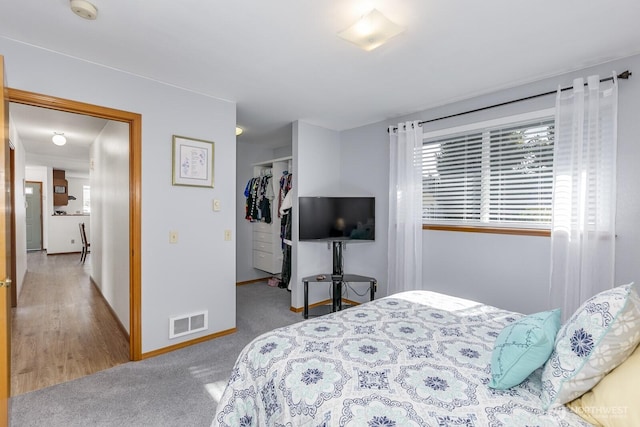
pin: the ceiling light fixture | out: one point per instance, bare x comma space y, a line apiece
371, 31
84, 9
239, 131
59, 139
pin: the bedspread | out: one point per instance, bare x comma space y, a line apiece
417, 358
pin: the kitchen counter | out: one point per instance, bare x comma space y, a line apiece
64, 233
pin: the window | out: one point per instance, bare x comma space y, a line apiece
86, 199
496, 174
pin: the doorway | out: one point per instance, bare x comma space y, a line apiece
33, 196
134, 121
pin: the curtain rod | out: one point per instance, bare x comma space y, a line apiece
624, 75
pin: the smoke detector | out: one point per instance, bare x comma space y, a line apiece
84, 9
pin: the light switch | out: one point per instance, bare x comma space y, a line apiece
173, 237
216, 205
227, 235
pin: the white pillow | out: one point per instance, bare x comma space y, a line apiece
599, 336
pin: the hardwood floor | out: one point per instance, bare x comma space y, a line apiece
62, 328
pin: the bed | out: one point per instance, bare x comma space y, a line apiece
417, 358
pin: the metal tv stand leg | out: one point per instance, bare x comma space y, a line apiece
337, 271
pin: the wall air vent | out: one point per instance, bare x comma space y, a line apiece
188, 324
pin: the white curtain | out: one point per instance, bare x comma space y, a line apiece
584, 195
405, 208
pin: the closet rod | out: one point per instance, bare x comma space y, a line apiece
624, 75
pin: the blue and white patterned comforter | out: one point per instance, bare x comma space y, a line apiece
413, 359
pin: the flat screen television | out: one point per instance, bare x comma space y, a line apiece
336, 218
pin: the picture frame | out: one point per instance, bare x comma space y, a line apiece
192, 161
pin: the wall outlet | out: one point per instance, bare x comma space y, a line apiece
73, 241
227, 235
173, 237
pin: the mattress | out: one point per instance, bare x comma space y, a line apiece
416, 358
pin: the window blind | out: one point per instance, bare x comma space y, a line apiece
497, 176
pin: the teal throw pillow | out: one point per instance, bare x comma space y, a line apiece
522, 347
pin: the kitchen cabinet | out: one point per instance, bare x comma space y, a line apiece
60, 188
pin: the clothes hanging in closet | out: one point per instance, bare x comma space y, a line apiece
285, 234
286, 181
259, 193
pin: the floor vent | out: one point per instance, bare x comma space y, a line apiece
188, 324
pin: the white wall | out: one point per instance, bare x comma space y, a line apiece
316, 166
109, 180
358, 154
74, 188
507, 271
20, 208
198, 273
280, 152
98, 181
502, 270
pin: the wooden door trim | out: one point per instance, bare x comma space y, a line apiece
135, 198
5, 252
14, 262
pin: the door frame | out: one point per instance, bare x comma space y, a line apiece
40, 183
14, 261
5, 253
135, 193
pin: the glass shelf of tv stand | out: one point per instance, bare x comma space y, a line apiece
337, 280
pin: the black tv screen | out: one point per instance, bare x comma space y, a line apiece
337, 218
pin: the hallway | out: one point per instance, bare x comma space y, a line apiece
62, 328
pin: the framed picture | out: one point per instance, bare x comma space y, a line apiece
192, 162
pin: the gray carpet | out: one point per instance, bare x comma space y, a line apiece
168, 390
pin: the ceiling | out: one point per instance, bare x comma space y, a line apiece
36, 126
282, 60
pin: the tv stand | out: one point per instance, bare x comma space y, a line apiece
337, 278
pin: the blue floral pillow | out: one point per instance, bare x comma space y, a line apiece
599, 336
522, 347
